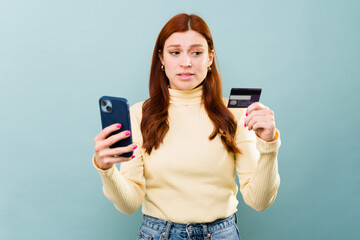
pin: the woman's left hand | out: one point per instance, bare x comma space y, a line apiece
261, 119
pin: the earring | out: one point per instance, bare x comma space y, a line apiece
162, 68
209, 69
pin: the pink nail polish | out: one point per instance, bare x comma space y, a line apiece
132, 157
134, 147
246, 114
127, 133
118, 126
244, 124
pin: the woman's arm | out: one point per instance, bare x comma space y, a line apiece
125, 188
257, 165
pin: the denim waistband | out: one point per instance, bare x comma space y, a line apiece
182, 229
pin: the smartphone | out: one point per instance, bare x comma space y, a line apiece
116, 110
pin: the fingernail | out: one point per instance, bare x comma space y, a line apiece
134, 147
127, 133
133, 156
244, 124
246, 114
118, 126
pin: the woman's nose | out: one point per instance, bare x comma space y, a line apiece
186, 61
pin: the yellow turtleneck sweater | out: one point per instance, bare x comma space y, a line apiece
191, 179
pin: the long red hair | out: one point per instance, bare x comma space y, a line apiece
154, 123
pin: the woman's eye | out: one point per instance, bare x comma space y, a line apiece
174, 53
197, 53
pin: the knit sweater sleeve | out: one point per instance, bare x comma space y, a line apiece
256, 166
126, 188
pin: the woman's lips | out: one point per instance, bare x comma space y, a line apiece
185, 76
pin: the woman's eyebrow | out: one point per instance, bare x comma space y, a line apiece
178, 45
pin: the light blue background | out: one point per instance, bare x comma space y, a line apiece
58, 57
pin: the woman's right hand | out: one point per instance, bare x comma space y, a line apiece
104, 155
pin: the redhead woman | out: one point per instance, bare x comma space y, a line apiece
188, 146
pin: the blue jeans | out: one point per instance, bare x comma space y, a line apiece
157, 229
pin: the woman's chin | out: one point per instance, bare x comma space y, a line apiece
184, 85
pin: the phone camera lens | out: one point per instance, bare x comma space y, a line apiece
108, 108
103, 103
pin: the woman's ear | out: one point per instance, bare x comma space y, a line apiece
211, 57
161, 57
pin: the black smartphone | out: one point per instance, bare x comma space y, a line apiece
116, 110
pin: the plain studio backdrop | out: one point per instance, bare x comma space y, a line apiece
57, 58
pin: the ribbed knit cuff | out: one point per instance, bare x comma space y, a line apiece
268, 147
107, 172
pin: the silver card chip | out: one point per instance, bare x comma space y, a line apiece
233, 102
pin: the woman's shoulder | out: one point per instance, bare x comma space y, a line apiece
136, 109
136, 114
137, 106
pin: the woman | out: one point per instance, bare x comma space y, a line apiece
188, 144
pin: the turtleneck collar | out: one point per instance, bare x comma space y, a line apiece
186, 97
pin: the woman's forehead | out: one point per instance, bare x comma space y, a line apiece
186, 39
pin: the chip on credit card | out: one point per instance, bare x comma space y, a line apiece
243, 97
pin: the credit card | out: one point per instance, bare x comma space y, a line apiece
243, 97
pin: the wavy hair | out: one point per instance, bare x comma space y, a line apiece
154, 123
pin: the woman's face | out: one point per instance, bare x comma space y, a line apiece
186, 59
